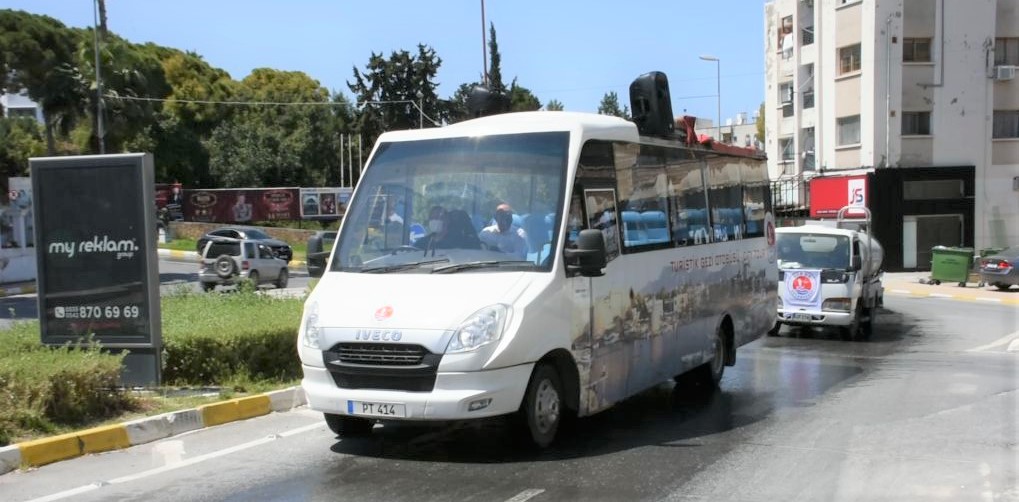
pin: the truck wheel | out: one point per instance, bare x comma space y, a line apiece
542, 408
775, 329
854, 331
345, 426
867, 326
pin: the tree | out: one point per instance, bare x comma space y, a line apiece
37, 53
610, 106
388, 90
554, 106
20, 139
495, 70
274, 145
521, 99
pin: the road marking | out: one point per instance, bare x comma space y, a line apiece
1011, 337
901, 291
184, 463
940, 295
983, 299
526, 495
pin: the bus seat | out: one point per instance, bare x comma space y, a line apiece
655, 226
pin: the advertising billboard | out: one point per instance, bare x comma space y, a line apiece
241, 205
324, 203
96, 252
829, 194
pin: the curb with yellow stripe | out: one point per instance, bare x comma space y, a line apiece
145, 430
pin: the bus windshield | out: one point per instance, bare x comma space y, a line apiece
813, 251
467, 204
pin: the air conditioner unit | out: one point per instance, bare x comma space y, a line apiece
1004, 72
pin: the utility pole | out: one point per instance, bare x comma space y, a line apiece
100, 133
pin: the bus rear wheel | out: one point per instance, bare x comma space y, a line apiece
708, 375
543, 406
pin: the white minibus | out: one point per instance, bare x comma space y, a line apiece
538, 264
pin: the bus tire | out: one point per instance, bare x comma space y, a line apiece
711, 372
543, 406
345, 426
775, 329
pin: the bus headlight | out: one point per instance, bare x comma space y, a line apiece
481, 328
837, 305
310, 336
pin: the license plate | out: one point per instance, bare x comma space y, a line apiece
372, 409
800, 317
992, 266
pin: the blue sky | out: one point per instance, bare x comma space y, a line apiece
573, 51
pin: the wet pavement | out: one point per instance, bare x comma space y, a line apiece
926, 409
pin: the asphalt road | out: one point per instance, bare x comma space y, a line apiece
925, 410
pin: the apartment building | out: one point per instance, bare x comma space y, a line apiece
919, 98
20, 105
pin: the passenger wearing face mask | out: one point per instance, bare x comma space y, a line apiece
503, 236
436, 228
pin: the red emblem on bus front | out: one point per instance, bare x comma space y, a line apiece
384, 313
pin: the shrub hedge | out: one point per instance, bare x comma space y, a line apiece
208, 339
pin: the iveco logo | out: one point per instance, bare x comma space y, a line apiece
379, 335
384, 313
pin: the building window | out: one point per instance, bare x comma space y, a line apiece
917, 50
1006, 124
808, 100
788, 152
932, 189
916, 123
1006, 51
807, 144
849, 130
786, 38
849, 59
807, 35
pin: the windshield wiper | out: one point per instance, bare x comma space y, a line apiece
401, 266
456, 267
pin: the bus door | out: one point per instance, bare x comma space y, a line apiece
598, 310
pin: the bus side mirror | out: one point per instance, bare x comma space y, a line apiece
588, 259
857, 263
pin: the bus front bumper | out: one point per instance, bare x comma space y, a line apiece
456, 396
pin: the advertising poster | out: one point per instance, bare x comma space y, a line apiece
829, 194
241, 205
96, 250
324, 203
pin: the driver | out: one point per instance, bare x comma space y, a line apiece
502, 236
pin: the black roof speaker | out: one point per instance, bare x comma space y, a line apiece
482, 101
651, 105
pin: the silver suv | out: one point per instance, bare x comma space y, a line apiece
229, 261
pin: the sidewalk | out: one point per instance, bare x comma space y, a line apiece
908, 283
145, 430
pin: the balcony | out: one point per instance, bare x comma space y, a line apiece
807, 35
808, 99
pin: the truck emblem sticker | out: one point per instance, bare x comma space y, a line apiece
384, 313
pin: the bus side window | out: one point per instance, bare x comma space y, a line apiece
575, 221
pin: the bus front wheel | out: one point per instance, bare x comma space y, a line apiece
542, 410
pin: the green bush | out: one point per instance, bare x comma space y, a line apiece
207, 339
42, 388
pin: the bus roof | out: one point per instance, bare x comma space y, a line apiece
586, 124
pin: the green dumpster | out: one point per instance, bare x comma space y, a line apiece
950, 264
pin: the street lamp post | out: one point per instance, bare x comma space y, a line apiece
718, 90
100, 133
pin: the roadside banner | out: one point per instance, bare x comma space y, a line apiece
802, 289
241, 205
329, 203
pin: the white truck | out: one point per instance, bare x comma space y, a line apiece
830, 275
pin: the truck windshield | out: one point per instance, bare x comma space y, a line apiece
813, 251
486, 199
